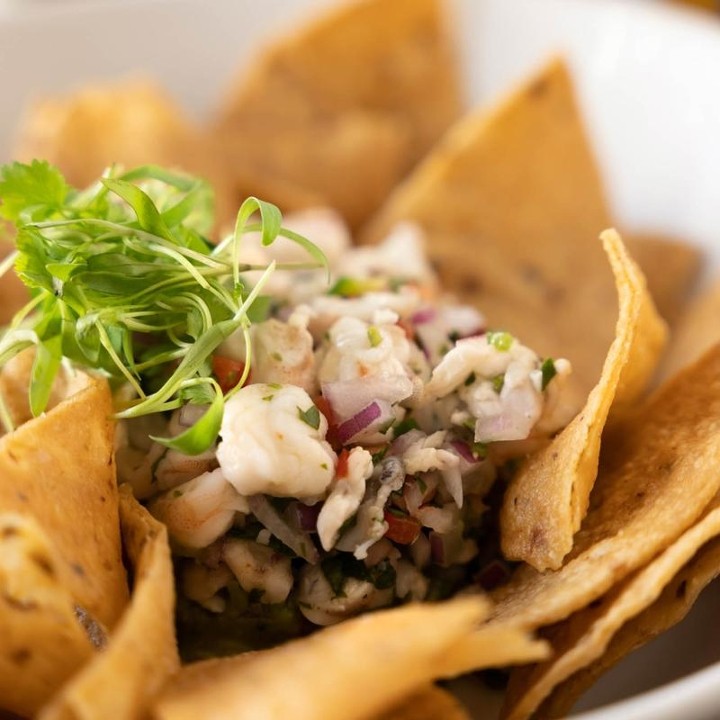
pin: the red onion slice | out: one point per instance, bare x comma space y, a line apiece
425, 315
369, 420
348, 397
305, 516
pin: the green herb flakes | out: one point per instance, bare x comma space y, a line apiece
501, 341
548, 370
310, 417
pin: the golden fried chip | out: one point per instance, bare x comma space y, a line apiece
349, 162
583, 637
430, 703
548, 497
669, 609
659, 483
401, 650
319, 676
15, 380
655, 254
511, 202
59, 469
697, 329
132, 122
43, 643
141, 653
296, 120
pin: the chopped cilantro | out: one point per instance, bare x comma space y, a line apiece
310, 417
276, 356
501, 341
479, 450
354, 287
374, 336
405, 425
548, 370
497, 382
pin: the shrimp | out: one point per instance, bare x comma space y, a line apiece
199, 511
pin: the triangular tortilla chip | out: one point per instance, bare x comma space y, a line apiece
43, 643
319, 677
548, 497
59, 469
511, 201
669, 609
658, 485
141, 653
132, 122
583, 638
401, 649
370, 70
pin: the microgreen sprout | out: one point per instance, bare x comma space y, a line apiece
123, 280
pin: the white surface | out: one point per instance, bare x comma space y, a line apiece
649, 81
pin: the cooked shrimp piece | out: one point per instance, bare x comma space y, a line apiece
273, 443
321, 605
199, 511
258, 567
283, 353
345, 497
202, 584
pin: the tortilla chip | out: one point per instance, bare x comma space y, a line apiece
430, 703
583, 638
548, 497
656, 488
131, 122
512, 202
350, 162
43, 643
142, 653
655, 254
400, 651
296, 117
15, 380
59, 469
669, 609
697, 329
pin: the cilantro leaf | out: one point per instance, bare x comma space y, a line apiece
34, 191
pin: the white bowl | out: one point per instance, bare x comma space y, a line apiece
648, 81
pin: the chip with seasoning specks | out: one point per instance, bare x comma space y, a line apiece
583, 638
43, 640
447, 640
141, 653
51, 475
548, 497
670, 608
657, 486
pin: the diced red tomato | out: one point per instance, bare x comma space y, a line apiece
341, 470
227, 371
494, 574
324, 407
407, 327
402, 529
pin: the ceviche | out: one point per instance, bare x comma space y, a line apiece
320, 429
